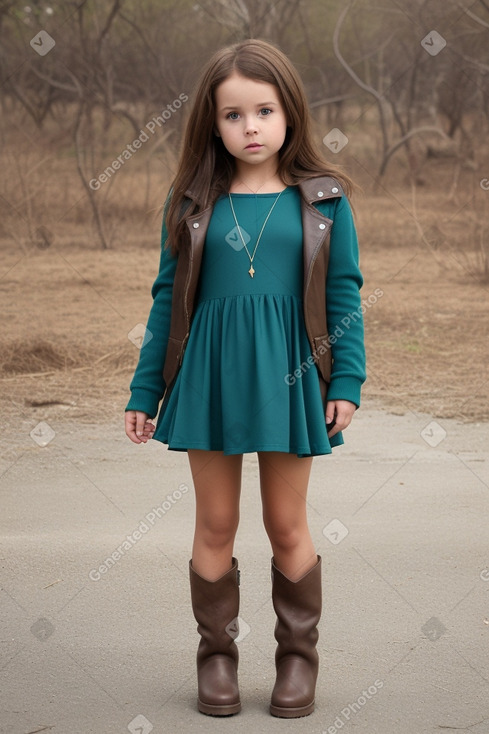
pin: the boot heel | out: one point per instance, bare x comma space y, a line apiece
291, 713
211, 710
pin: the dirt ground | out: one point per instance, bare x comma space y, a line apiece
68, 309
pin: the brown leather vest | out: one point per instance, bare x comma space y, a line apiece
316, 236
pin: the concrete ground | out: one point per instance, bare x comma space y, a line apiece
399, 515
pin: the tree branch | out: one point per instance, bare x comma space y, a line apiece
472, 15
407, 136
342, 60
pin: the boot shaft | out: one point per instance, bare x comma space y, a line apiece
298, 606
215, 605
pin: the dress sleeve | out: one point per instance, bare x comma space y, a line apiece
147, 385
344, 308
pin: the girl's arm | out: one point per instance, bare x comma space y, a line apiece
147, 386
344, 317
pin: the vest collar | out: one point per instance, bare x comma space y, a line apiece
320, 188
313, 189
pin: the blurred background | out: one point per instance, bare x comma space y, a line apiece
94, 100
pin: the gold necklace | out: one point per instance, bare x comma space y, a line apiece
252, 257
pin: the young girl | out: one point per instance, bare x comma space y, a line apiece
255, 344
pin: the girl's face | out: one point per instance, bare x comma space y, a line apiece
250, 119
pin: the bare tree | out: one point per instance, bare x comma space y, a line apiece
389, 106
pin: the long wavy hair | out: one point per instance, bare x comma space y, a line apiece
205, 166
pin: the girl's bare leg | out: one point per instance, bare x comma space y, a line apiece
217, 482
284, 479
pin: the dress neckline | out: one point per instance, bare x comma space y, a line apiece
273, 193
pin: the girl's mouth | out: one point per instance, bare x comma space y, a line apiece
253, 145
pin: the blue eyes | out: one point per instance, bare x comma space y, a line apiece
265, 111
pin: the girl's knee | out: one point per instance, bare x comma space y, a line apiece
285, 536
216, 531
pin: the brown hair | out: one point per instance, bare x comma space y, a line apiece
206, 166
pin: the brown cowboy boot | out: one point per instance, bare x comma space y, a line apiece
215, 605
298, 608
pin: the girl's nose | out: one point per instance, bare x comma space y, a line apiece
251, 127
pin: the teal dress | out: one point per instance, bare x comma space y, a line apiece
236, 391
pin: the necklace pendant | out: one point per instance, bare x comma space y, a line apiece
251, 271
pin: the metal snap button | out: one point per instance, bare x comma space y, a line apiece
322, 226
334, 190
320, 193
195, 225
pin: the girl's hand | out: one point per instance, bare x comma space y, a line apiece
138, 426
339, 413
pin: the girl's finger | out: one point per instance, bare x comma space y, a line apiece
141, 419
